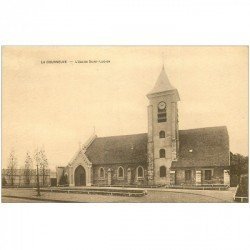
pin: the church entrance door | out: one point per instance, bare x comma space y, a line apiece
80, 176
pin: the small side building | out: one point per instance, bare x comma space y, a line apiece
203, 158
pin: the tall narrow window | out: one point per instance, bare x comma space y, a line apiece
120, 172
208, 175
163, 171
101, 173
162, 134
162, 112
187, 175
140, 172
162, 153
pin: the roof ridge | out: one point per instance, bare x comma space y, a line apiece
99, 137
89, 141
224, 126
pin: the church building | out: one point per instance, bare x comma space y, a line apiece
162, 157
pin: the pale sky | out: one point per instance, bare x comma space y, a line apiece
56, 106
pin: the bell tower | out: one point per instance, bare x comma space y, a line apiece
163, 133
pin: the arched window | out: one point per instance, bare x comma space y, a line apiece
162, 134
120, 172
163, 171
140, 172
101, 173
162, 153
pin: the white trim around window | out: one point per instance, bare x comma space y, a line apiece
118, 173
141, 177
101, 173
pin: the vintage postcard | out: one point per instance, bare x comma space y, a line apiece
124, 124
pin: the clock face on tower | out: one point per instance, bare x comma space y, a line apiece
162, 105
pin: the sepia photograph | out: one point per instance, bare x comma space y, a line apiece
124, 124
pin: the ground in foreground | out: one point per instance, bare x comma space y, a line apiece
154, 195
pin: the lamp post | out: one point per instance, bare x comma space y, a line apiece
37, 179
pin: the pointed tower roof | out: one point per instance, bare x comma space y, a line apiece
162, 83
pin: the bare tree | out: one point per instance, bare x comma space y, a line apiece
38, 162
43, 167
28, 167
11, 171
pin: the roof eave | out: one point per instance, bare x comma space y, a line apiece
166, 92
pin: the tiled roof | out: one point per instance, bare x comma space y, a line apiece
198, 148
203, 147
118, 149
